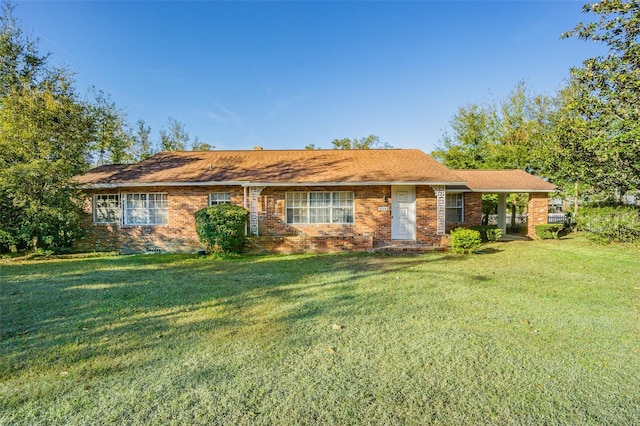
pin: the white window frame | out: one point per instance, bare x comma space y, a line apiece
448, 207
302, 201
145, 202
114, 201
217, 198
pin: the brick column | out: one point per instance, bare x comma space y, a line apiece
538, 211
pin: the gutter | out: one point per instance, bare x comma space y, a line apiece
247, 184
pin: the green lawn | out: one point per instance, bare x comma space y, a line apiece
542, 332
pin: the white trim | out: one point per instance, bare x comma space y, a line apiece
254, 194
441, 212
250, 184
218, 203
308, 208
142, 185
447, 207
411, 218
503, 191
244, 204
124, 208
118, 207
384, 183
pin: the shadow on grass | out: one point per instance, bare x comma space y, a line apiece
63, 313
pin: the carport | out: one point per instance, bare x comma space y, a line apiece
504, 182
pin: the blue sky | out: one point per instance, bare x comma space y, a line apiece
286, 74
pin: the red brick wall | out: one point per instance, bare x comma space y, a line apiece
177, 236
303, 243
368, 220
426, 216
472, 211
537, 212
98, 237
371, 226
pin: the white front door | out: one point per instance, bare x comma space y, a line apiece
403, 219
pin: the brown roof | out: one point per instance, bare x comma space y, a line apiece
276, 167
503, 181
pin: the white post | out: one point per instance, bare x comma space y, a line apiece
440, 193
254, 193
502, 212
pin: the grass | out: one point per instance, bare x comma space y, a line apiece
542, 332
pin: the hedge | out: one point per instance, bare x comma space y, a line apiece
549, 231
612, 224
222, 228
465, 240
488, 232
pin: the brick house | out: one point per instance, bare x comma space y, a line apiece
299, 200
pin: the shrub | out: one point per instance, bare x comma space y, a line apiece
222, 228
619, 224
6, 241
549, 231
465, 240
488, 232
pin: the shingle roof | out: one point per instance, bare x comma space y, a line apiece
277, 168
503, 181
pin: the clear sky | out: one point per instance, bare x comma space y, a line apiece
286, 74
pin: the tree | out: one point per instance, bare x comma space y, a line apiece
200, 146
43, 139
473, 134
498, 136
563, 156
508, 135
605, 94
142, 147
369, 142
45, 131
21, 64
113, 141
174, 139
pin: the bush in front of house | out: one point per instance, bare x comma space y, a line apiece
549, 231
221, 228
488, 232
465, 240
610, 224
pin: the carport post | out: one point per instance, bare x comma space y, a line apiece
502, 212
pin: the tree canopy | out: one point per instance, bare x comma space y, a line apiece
602, 110
45, 133
501, 135
369, 142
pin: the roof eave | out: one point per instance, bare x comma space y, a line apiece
151, 184
248, 183
510, 191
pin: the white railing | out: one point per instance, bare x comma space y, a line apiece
521, 219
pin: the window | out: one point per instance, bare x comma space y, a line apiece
145, 209
216, 198
106, 208
320, 207
455, 208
